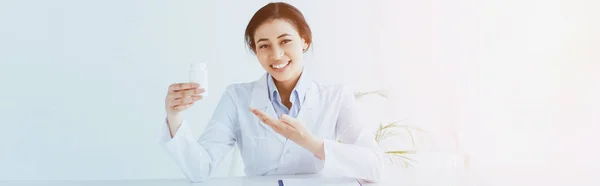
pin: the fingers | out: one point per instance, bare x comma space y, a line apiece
185, 101
182, 86
186, 93
278, 125
287, 126
182, 107
262, 115
182, 96
288, 120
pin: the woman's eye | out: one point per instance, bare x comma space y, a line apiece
286, 41
263, 46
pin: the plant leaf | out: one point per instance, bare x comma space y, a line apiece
382, 93
378, 133
403, 157
399, 152
386, 134
395, 125
397, 161
408, 161
412, 138
402, 161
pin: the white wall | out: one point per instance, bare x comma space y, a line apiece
512, 83
84, 82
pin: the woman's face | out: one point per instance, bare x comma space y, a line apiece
279, 49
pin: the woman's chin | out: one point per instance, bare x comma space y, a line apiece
282, 76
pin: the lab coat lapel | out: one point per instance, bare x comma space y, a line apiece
308, 112
260, 100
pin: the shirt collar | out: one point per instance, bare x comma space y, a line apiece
299, 90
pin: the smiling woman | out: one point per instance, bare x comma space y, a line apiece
278, 34
284, 122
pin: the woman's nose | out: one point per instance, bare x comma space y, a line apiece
277, 53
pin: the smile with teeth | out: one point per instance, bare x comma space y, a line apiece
279, 66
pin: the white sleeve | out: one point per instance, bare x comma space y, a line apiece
358, 155
197, 159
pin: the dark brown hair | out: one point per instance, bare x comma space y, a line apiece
273, 11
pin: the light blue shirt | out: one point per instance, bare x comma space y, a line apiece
297, 97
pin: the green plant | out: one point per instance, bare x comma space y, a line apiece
398, 157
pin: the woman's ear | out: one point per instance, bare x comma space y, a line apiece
304, 46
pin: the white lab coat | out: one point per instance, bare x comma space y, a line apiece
328, 112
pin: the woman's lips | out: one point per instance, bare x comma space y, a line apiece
281, 66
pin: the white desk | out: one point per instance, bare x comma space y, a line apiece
228, 181
408, 177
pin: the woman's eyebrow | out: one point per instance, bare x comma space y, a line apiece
282, 35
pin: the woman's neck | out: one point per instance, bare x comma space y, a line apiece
285, 87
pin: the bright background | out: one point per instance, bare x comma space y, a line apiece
514, 84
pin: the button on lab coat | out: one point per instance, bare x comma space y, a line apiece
329, 112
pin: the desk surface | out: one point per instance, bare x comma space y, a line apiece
224, 181
407, 177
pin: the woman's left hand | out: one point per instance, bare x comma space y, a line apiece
292, 129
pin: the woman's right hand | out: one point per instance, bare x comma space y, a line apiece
180, 97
